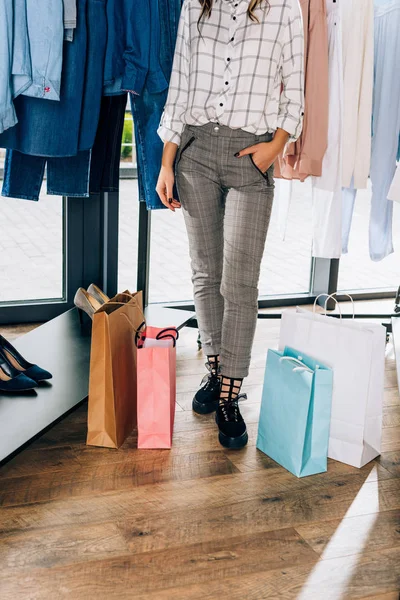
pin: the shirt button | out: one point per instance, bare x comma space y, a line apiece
232, 39
216, 128
221, 104
226, 82
228, 59
234, 18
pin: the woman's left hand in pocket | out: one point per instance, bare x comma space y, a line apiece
263, 154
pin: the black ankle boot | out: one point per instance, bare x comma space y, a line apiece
206, 399
232, 428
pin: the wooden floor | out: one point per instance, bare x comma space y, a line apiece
198, 522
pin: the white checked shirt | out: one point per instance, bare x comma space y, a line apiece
239, 73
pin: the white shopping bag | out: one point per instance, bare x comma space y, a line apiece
356, 353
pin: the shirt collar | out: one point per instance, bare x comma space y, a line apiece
242, 5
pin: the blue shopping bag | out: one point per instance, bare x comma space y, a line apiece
295, 412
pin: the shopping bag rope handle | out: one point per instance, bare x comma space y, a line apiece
139, 337
332, 296
168, 333
297, 361
343, 294
165, 334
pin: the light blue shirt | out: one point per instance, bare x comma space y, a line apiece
31, 50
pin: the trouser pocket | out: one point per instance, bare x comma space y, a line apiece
267, 176
184, 148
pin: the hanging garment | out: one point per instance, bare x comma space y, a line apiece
106, 152
160, 63
348, 202
63, 128
45, 25
358, 72
385, 131
8, 117
66, 176
31, 39
148, 107
386, 124
128, 43
41, 132
15, 58
21, 74
394, 192
70, 15
89, 172
326, 194
304, 157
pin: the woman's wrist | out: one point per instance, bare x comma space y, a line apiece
280, 140
167, 165
169, 154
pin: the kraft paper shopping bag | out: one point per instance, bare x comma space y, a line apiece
113, 372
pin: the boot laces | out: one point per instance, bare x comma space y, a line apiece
230, 405
211, 379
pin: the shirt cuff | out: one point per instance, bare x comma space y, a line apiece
291, 125
156, 82
8, 119
167, 135
44, 88
134, 79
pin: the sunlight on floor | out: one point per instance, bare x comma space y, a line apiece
331, 576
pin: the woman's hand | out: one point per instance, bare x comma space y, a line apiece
265, 154
165, 187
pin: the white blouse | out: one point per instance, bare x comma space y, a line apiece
242, 74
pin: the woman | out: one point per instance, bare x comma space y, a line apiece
235, 99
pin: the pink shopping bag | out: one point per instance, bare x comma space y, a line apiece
156, 386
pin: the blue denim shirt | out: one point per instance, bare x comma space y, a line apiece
156, 81
147, 108
15, 58
31, 45
128, 46
133, 48
45, 23
8, 117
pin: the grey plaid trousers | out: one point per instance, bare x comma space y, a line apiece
227, 203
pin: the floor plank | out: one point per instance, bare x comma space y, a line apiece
332, 539
391, 397
150, 571
335, 579
391, 416
391, 462
391, 379
81, 481
35, 461
373, 574
55, 547
178, 495
391, 439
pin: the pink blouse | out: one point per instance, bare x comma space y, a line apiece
304, 157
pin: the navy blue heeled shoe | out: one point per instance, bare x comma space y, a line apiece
12, 380
20, 364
